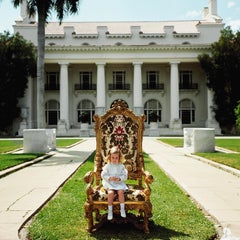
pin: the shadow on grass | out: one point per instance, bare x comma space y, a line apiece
129, 232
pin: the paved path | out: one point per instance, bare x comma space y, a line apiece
22, 193
216, 190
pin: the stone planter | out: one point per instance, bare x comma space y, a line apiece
84, 126
153, 125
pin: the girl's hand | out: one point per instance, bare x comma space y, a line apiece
115, 179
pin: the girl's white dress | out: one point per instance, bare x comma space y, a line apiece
114, 170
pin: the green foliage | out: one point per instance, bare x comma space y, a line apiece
18, 62
222, 69
237, 114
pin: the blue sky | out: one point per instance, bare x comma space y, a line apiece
135, 10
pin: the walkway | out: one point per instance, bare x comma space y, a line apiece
216, 191
22, 193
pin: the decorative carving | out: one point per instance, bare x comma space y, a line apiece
119, 126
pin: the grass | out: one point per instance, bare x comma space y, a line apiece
175, 216
10, 145
228, 159
8, 160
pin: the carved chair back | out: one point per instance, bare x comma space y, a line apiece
120, 127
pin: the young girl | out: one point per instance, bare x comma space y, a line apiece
114, 174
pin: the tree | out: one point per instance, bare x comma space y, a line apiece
237, 114
223, 70
18, 62
43, 10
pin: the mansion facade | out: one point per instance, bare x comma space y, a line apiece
152, 66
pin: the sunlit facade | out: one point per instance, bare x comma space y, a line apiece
153, 66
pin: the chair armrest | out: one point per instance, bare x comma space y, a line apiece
89, 177
148, 177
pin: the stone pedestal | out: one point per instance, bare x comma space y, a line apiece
62, 127
84, 131
39, 140
175, 124
22, 126
153, 129
199, 139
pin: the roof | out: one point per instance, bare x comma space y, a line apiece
123, 27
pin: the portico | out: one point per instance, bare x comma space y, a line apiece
152, 66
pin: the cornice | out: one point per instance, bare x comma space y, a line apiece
118, 35
123, 48
152, 35
75, 35
54, 36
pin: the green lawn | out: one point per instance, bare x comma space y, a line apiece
229, 159
10, 145
174, 214
8, 160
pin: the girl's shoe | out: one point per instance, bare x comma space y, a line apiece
123, 213
110, 215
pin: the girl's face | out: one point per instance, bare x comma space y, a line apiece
114, 158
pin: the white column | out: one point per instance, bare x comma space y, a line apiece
64, 106
211, 121
29, 96
101, 97
174, 96
137, 88
210, 105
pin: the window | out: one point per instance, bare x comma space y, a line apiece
85, 80
152, 79
153, 111
52, 81
119, 80
52, 112
187, 111
185, 80
85, 111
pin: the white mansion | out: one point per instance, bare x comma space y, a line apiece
153, 66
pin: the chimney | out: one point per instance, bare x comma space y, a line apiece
24, 14
212, 6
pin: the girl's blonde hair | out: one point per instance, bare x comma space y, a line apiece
113, 150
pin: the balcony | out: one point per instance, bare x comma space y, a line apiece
52, 87
193, 86
156, 86
118, 86
85, 87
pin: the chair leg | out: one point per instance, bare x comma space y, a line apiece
146, 228
89, 216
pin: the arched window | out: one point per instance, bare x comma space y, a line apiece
153, 111
187, 111
85, 111
52, 112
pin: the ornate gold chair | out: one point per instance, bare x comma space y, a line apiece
119, 126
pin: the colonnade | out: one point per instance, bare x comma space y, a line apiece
137, 93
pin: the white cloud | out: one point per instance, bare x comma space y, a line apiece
234, 24
231, 4
192, 14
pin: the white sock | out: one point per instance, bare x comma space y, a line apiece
122, 210
122, 206
110, 213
